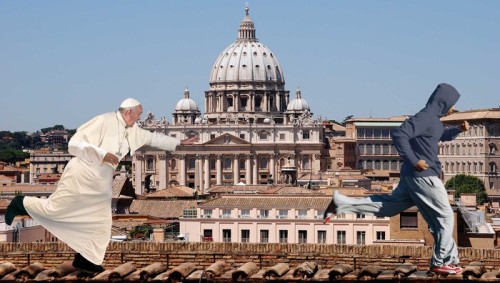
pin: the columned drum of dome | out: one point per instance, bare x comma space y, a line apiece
186, 110
246, 80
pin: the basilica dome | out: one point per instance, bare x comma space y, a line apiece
186, 103
247, 59
298, 104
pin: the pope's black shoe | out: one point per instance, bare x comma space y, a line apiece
82, 263
15, 208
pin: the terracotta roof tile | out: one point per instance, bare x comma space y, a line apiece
298, 202
162, 208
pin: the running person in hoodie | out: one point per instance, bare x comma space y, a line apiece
417, 143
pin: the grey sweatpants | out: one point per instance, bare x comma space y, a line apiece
431, 199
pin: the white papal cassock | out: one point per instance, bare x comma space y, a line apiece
79, 211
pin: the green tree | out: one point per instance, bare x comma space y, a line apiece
462, 183
345, 120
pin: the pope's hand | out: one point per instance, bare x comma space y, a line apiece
190, 141
111, 159
421, 165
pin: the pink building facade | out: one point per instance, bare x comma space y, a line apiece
278, 219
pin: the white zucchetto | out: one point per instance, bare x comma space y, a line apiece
129, 102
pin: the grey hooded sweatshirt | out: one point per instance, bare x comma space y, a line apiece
417, 138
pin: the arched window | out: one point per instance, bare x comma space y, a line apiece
377, 149
377, 165
385, 165
361, 149
360, 164
493, 148
369, 164
173, 164
394, 165
385, 149
493, 167
369, 149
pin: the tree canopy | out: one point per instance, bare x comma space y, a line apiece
463, 183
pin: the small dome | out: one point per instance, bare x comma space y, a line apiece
298, 104
186, 104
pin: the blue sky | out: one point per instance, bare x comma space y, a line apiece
63, 62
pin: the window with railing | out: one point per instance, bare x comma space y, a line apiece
302, 214
321, 237
264, 213
226, 213
226, 235
245, 236
360, 237
207, 213
302, 236
245, 213
207, 235
264, 236
282, 213
341, 237
283, 234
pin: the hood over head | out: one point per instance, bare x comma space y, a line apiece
442, 99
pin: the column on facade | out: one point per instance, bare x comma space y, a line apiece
163, 171
206, 162
271, 167
248, 170
182, 170
218, 167
252, 102
32, 173
138, 174
198, 176
254, 170
236, 102
266, 102
236, 170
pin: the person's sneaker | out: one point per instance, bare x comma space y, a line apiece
446, 269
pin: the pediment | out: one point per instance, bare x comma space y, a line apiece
226, 139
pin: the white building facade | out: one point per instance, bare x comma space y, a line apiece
250, 132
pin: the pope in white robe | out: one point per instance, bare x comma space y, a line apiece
79, 211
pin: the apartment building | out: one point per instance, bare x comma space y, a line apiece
474, 152
278, 219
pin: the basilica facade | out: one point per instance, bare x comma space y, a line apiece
250, 131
